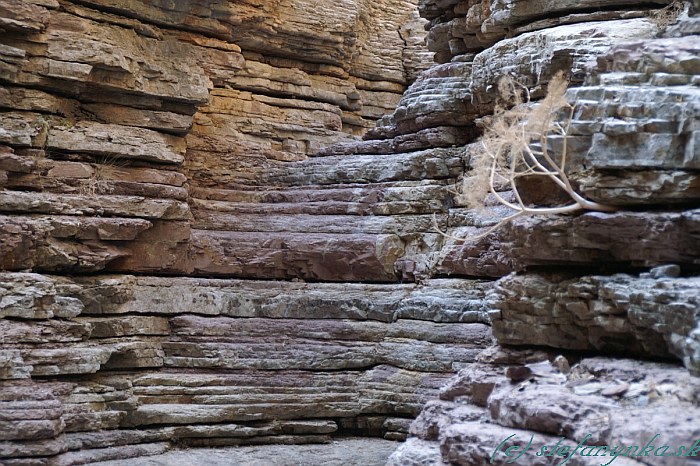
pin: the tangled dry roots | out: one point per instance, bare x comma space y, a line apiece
517, 143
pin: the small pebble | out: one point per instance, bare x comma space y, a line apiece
615, 390
518, 373
562, 364
666, 271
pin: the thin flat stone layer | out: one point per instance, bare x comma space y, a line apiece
368, 452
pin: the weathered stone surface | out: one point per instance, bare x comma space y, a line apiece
117, 141
100, 89
25, 17
401, 244
331, 32
289, 255
181, 398
63, 170
33, 296
263, 78
629, 133
20, 98
10, 162
112, 57
111, 327
658, 187
91, 444
416, 57
19, 332
632, 239
618, 134
64, 243
279, 129
416, 452
94, 181
106, 455
442, 136
76, 360
535, 57
623, 151
457, 27
439, 97
96, 325
378, 199
214, 111
168, 122
649, 59
427, 164
551, 409
22, 129
364, 451
82, 204
119, 85
620, 313
401, 225
321, 345
458, 93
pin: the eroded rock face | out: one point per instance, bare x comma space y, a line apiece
364, 451
217, 144
649, 316
144, 363
565, 295
459, 27
176, 139
113, 106
599, 401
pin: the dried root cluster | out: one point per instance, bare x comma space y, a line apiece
518, 143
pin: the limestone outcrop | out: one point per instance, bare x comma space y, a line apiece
220, 225
619, 283
163, 139
160, 119
601, 401
142, 363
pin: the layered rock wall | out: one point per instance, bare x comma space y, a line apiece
173, 114
198, 249
576, 296
178, 139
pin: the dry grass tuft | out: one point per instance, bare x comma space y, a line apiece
667, 15
103, 170
516, 144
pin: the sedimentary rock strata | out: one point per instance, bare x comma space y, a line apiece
150, 361
599, 238
113, 106
221, 225
599, 401
368, 452
460, 27
567, 294
649, 316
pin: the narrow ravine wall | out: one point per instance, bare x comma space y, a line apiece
596, 315
143, 146
198, 249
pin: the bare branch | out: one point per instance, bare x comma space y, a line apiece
517, 145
